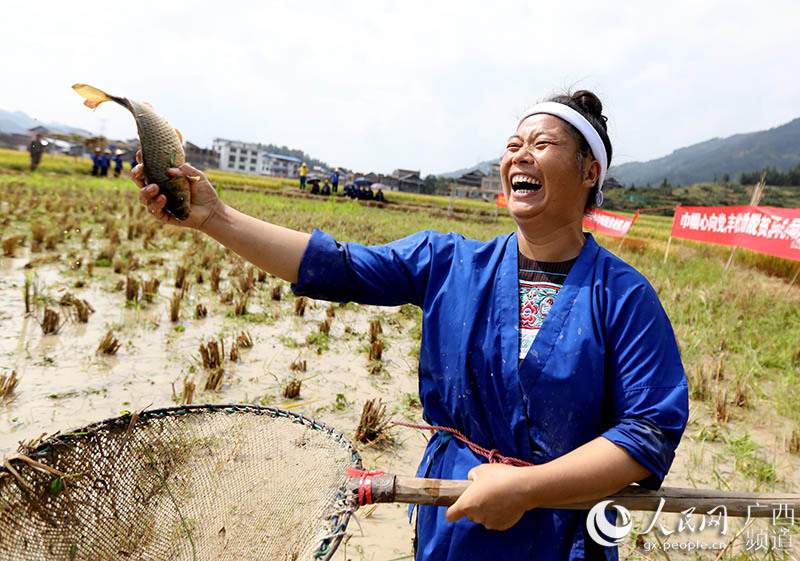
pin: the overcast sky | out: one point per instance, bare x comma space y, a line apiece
424, 85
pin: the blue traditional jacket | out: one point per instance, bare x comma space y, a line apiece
605, 363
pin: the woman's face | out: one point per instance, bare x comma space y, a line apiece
542, 178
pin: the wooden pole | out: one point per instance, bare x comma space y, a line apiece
794, 278
450, 205
755, 198
625, 235
666, 252
730, 258
444, 492
672, 227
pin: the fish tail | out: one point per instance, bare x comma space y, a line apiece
94, 97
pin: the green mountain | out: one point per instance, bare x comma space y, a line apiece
17, 122
777, 148
485, 167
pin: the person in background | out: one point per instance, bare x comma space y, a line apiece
326, 188
117, 162
105, 162
335, 180
379, 196
303, 172
96, 155
36, 148
134, 162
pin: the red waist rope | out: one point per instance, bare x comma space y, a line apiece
493, 455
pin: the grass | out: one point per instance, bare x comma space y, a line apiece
749, 460
319, 340
341, 403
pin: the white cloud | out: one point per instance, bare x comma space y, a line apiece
430, 85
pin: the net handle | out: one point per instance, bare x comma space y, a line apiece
388, 488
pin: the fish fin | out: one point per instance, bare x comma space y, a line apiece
92, 96
180, 136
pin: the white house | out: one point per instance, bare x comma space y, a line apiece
253, 158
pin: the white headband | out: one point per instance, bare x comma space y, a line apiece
584, 127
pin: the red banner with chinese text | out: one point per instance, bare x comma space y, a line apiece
608, 223
764, 229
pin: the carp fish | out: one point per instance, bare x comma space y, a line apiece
161, 145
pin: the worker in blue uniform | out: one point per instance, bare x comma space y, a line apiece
538, 344
96, 155
105, 162
117, 162
334, 178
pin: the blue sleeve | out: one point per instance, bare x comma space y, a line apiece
384, 275
649, 395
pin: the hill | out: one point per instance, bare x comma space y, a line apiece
778, 148
17, 122
485, 167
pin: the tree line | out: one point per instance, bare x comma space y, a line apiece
789, 178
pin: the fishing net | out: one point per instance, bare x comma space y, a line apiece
195, 483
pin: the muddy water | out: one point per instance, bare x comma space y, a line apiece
64, 383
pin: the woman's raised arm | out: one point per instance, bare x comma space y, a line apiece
273, 248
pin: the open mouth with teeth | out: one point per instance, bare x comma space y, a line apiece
524, 184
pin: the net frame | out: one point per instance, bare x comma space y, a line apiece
45, 451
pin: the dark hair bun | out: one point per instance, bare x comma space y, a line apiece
589, 103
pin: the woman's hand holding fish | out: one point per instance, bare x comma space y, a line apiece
203, 204
272, 248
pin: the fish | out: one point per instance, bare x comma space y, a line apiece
161, 146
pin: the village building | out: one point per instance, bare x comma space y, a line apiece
403, 180
477, 185
400, 180
253, 158
491, 182
201, 158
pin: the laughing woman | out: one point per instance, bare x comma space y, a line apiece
538, 344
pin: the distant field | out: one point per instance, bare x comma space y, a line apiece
14, 160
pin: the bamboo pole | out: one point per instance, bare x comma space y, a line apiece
669, 240
625, 235
666, 252
730, 259
387, 488
755, 198
791, 283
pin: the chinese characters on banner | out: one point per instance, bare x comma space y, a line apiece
770, 230
608, 223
